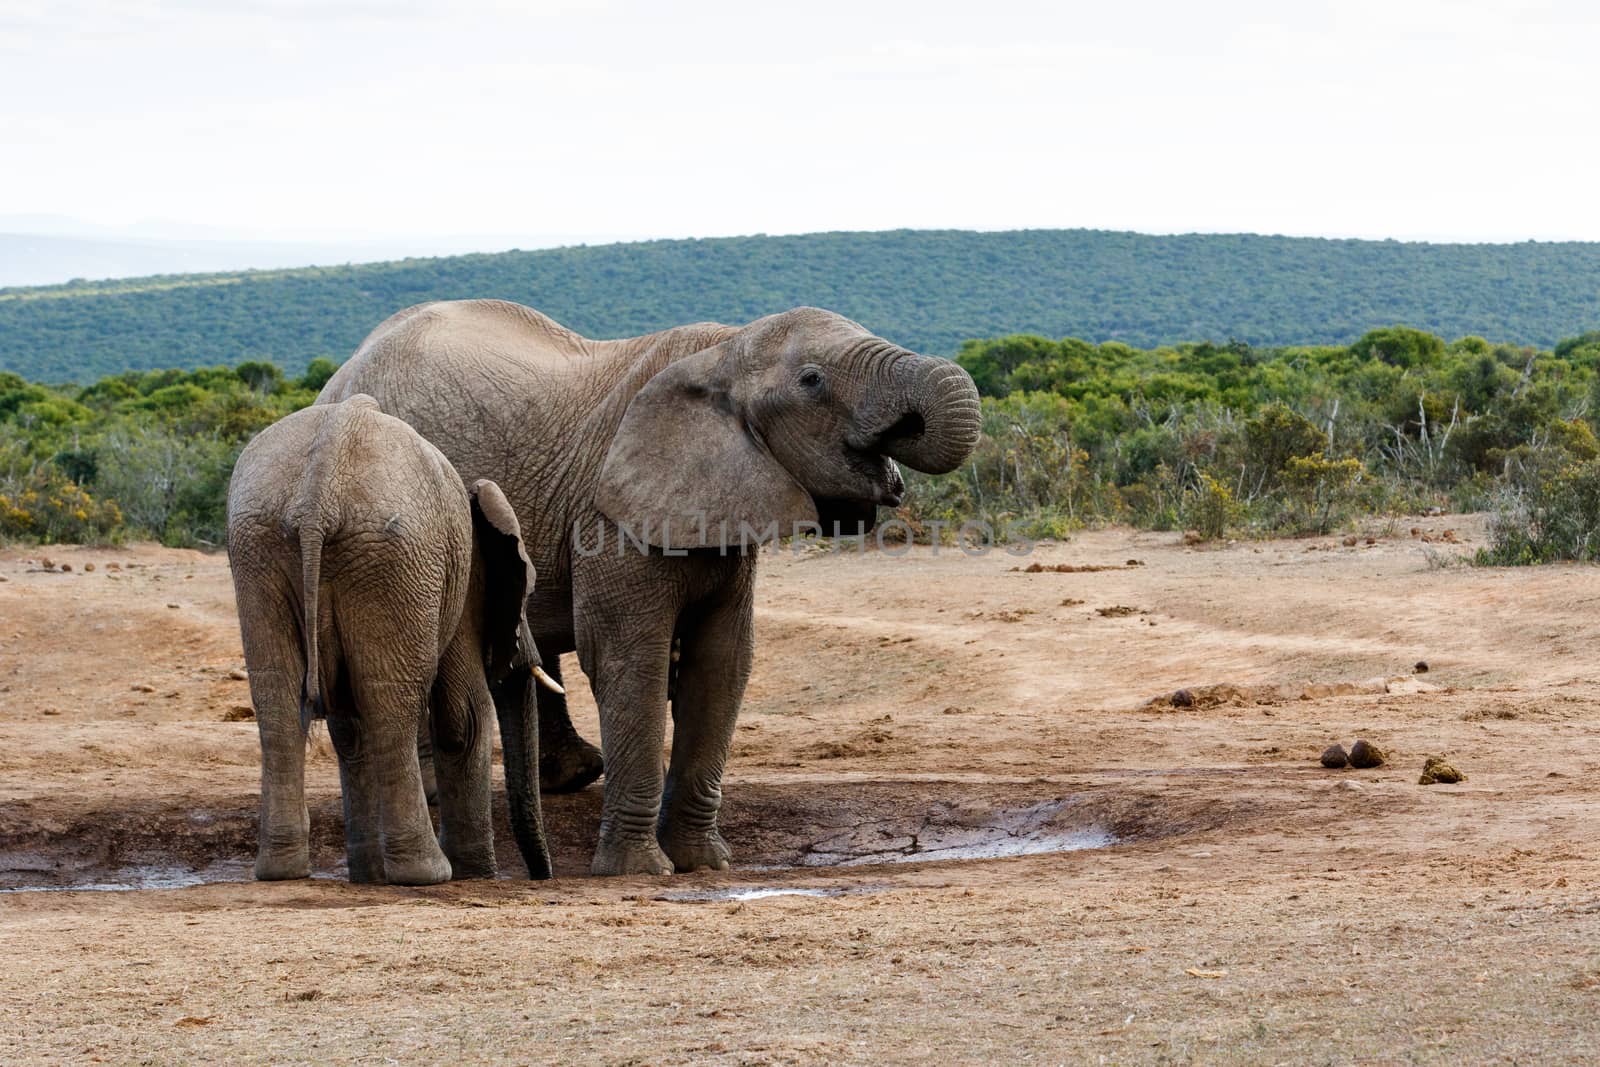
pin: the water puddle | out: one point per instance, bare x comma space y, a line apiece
130, 879
946, 834
847, 826
982, 846
742, 893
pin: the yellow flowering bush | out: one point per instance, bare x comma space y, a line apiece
49, 507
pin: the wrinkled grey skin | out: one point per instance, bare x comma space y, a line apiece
371, 585
795, 417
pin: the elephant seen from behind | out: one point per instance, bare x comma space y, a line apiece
372, 585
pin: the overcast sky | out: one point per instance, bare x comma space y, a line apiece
312, 120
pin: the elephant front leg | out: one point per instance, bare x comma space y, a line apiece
567, 763
713, 668
628, 666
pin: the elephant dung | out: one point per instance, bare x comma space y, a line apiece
1436, 771
1365, 755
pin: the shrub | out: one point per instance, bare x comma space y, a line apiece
1556, 517
1210, 508
1274, 437
1320, 489
171, 485
48, 507
1400, 346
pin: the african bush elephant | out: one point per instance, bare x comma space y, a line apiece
795, 418
371, 584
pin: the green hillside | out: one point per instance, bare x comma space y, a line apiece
927, 289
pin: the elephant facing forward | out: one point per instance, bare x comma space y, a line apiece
371, 584
702, 430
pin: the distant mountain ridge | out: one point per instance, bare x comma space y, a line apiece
927, 289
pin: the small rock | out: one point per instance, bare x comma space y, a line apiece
47, 563
88, 568
172, 605
1435, 771
1351, 787
1365, 755
1349, 542
3, 578
1372, 540
1334, 757
1420, 667
143, 688
239, 713
1183, 699
238, 675
66, 568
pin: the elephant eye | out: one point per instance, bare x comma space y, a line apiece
811, 378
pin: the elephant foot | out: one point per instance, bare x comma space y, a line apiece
364, 861
280, 866
474, 862
419, 870
632, 856
691, 852
568, 766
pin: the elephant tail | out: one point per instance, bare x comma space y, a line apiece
311, 706
317, 514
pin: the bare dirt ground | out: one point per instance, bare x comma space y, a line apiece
910, 722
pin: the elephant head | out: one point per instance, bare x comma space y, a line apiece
797, 418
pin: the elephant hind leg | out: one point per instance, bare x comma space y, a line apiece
283, 835
363, 843
388, 714
463, 739
268, 614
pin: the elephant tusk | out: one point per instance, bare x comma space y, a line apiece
547, 681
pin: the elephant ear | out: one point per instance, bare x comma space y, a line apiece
685, 469
507, 581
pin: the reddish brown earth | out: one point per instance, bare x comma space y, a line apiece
1254, 907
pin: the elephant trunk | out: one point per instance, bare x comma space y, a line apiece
926, 415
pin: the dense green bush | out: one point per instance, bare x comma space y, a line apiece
1299, 439
1221, 439
139, 454
1554, 516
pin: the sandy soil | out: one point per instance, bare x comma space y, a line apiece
1245, 905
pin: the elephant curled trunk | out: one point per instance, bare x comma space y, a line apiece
926, 413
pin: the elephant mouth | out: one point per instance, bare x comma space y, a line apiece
841, 517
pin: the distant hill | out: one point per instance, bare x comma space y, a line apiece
927, 289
